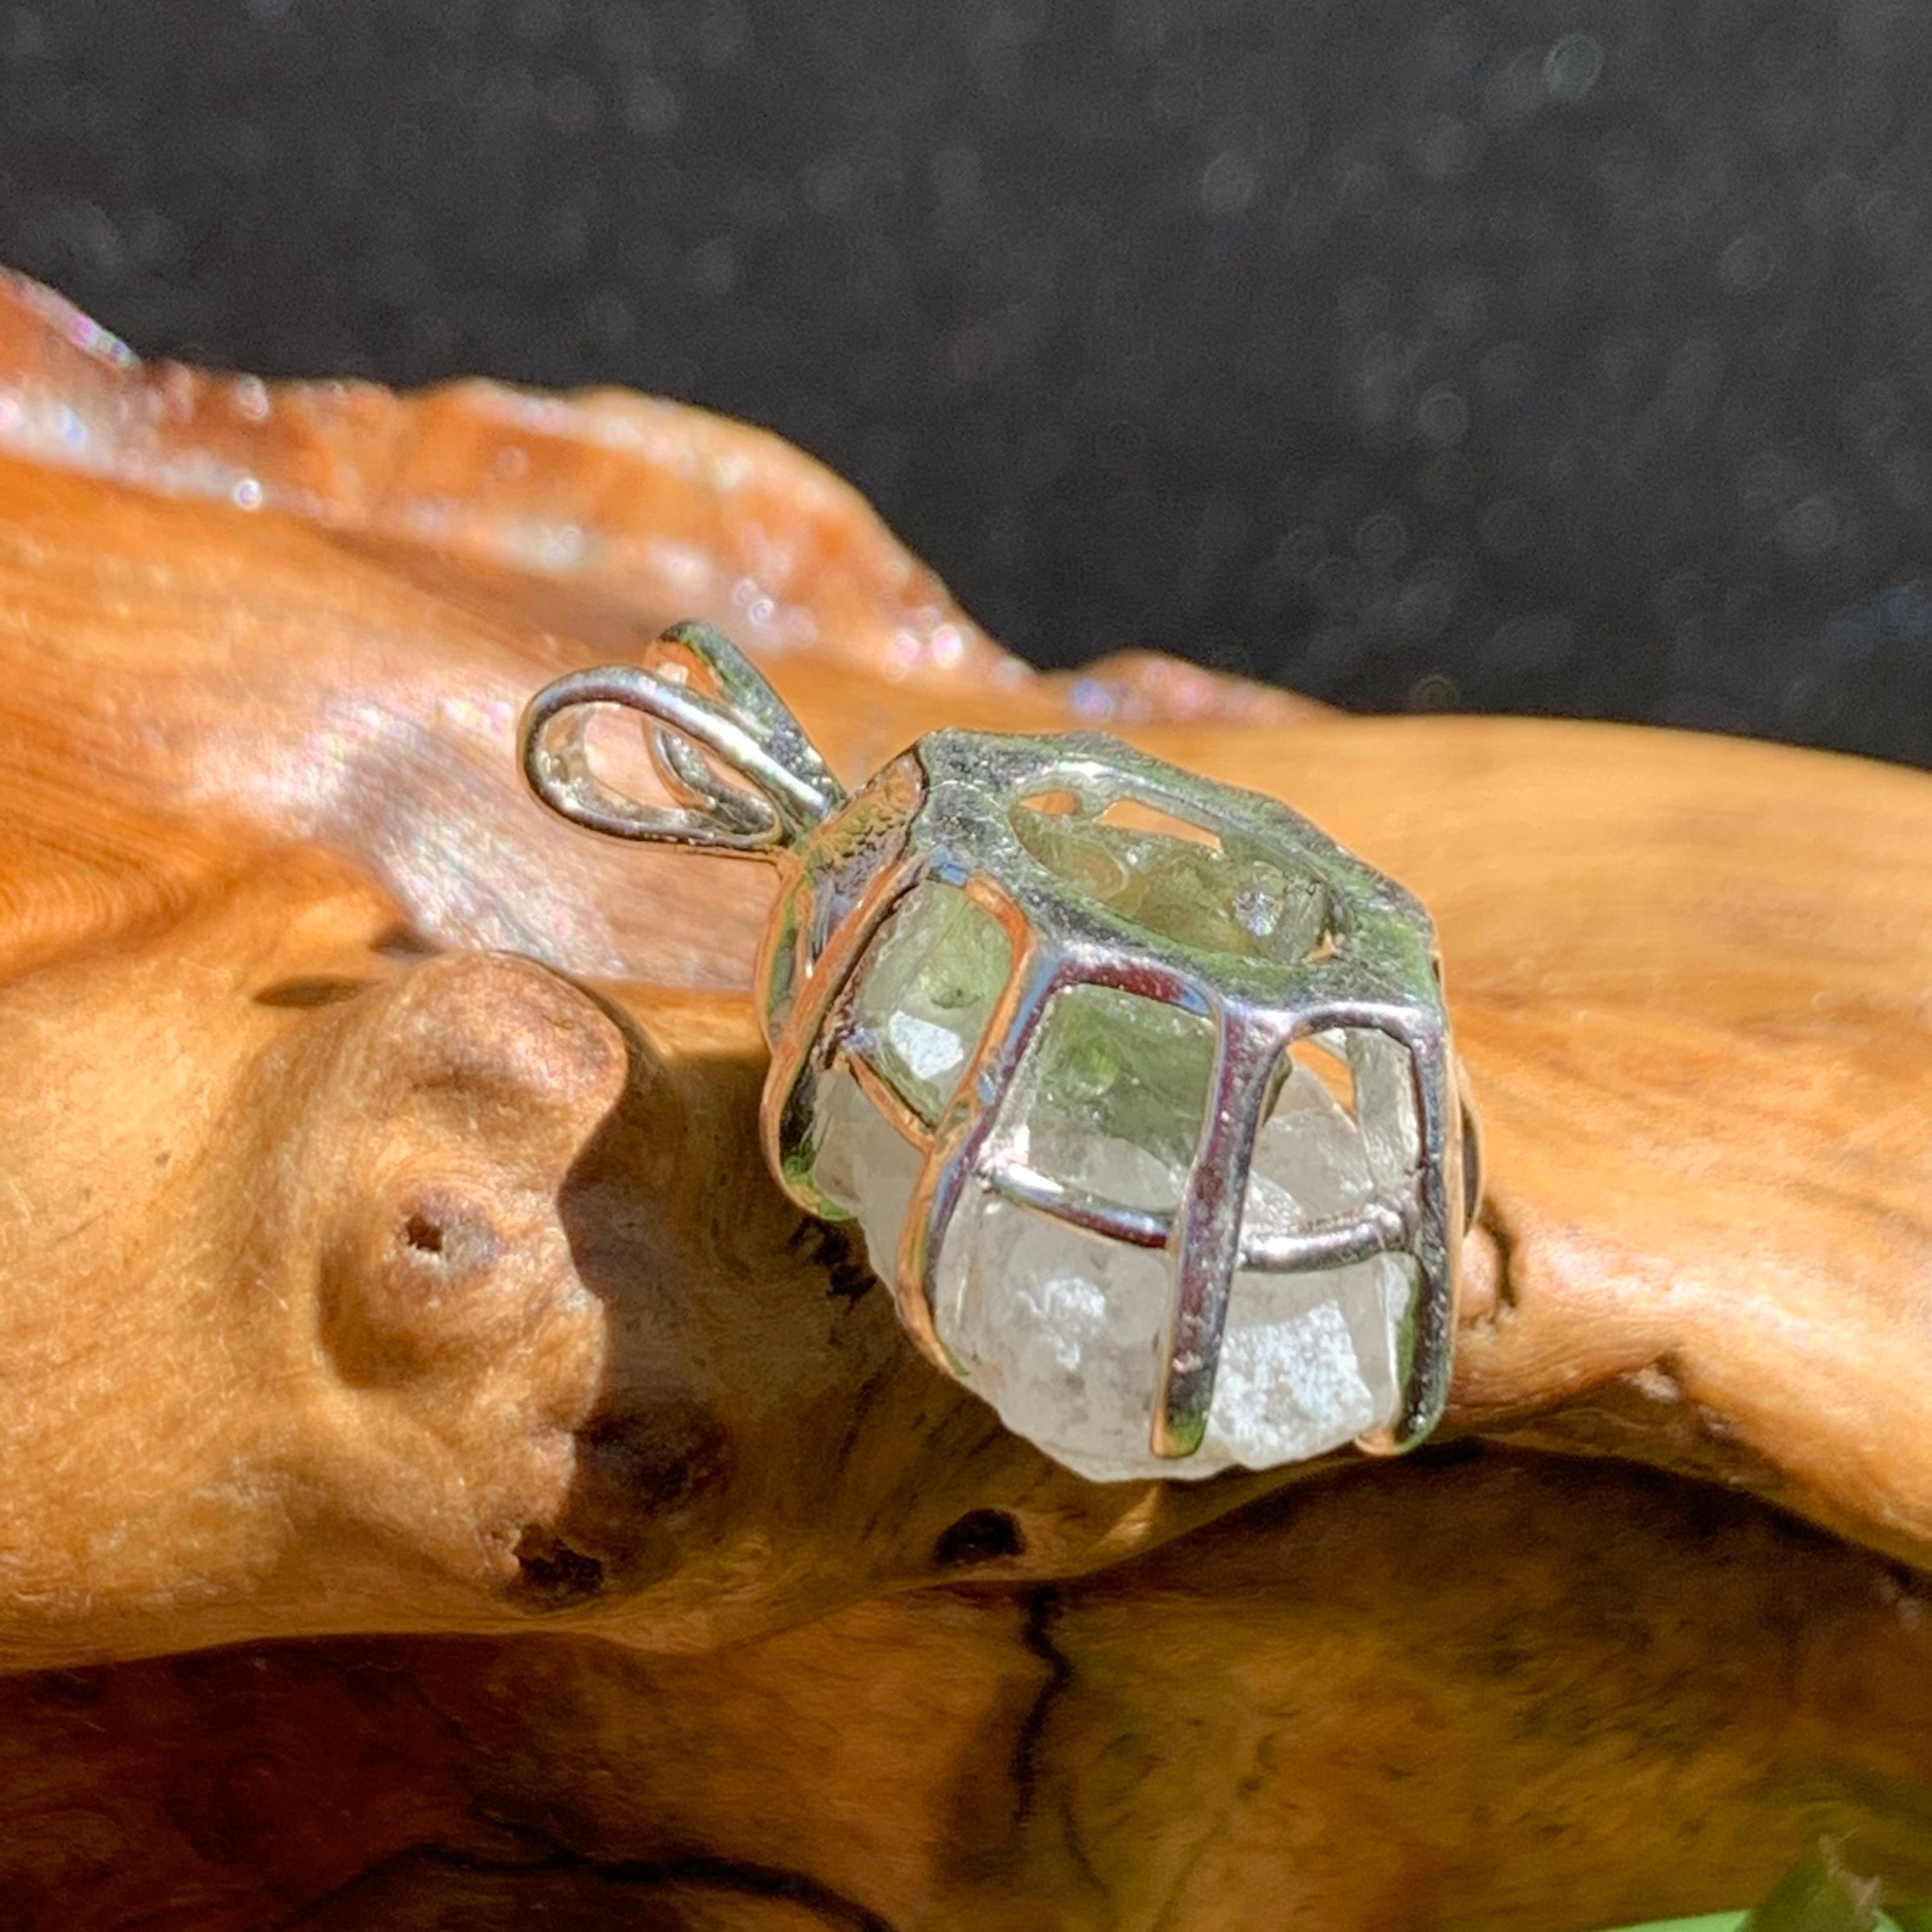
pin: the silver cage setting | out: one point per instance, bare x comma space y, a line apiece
1141, 1088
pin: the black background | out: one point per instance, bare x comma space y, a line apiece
1518, 355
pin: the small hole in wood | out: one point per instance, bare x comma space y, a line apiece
981, 1536
317, 992
554, 1573
423, 1234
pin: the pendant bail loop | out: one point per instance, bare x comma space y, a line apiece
712, 713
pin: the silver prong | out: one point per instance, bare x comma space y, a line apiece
1206, 1242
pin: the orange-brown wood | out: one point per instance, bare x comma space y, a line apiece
1507, 1693
387, 1253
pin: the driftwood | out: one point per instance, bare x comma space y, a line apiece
389, 1261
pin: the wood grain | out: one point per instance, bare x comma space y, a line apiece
389, 1260
1502, 1692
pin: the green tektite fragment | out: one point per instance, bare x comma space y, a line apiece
930, 988
1201, 895
1112, 1066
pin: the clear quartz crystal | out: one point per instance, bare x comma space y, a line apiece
866, 1165
1062, 1331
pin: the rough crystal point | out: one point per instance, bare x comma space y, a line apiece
1062, 1331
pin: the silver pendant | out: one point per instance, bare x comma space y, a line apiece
1141, 1088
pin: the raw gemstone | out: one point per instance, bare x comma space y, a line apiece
866, 1165
1200, 894
1062, 1331
1127, 1070
927, 989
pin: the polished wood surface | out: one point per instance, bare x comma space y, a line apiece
389, 1261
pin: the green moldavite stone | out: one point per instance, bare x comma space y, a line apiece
1200, 895
1130, 1070
929, 990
